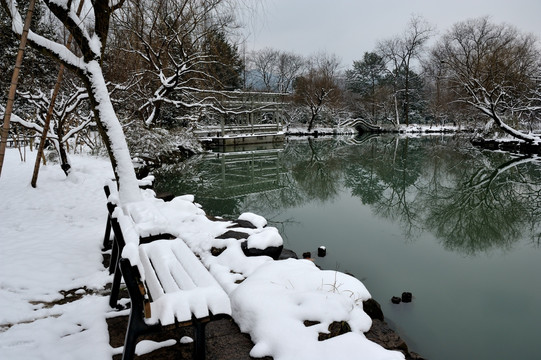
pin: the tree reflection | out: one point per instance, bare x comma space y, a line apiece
318, 170
383, 174
485, 209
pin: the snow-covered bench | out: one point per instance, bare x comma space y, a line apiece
168, 285
113, 244
145, 183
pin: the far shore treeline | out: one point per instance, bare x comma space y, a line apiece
169, 65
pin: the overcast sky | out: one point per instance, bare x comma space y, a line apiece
348, 28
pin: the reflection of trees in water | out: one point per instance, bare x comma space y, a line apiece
383, 174
318, 171
470, 200
473, 201
488, 207
225, 184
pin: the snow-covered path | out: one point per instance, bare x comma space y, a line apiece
50, 242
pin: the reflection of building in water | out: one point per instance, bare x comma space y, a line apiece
246, 118
247, 172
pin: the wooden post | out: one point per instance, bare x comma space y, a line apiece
50, 114
14, 80
222, 123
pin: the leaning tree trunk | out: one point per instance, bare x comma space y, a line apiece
91, 44
14, 80
111, 133
508, 129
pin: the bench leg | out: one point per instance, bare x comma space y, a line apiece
115, 289
113, 265
199, 340
129, 345
136, 322
107, 236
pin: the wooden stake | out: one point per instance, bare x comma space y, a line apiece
14, 80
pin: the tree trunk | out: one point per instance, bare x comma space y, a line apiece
397, 115
45, 131
14, 80
311, 123
407, 98
64, 160
112, 134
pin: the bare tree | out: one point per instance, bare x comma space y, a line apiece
319, 86
440, 97
165, 42
400, 52
289, 67
69, 117
276, 69
264, 62
494, 69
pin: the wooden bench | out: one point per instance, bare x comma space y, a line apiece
168, 285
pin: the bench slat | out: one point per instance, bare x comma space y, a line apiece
170, 273
193, 266
179, 284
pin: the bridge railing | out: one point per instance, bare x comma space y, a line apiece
361, 123
250, 108
244, 98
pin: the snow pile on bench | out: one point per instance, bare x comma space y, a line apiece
179, 283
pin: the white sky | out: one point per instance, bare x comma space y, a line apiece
349, 28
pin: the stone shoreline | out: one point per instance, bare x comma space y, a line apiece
225, 341
380, 332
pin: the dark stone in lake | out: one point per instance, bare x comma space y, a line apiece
382, 334
396, 300
230, 234
243, 224
321, 251
373, 309
272, 251
288, 254
406, 297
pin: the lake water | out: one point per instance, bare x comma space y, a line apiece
456, 226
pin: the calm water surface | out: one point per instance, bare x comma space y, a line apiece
456, 226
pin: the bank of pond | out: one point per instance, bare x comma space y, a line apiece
457, 225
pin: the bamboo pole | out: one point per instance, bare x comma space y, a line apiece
50, 110
14, 81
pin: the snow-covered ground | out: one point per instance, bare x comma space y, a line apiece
51, 250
